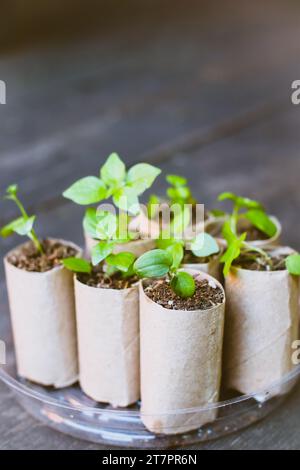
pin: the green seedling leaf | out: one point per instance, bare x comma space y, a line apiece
227, 232
24, 227
239, 201
77, 265
121, 261
113, 172
183, 284
88, 190
10, 228
217, 213
180, 221
164, 243
126, 199
204, 245
12, 191
141, 177
106, 227
177, 252
261, 221
154, 263
233, 252
293, 264
101, 251
176, 180
180, 193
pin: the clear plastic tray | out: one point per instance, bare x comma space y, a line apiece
70, 411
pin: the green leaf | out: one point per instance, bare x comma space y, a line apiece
21, 226
106, 227
204, 245
183, 284
113, 171
154, 263
239, 201
176, 180
181, 193
261, 221
88, 190
10, 228
227, 232
77, 265
233, 252
101, 251
293, 264
126, 199
141, 177
177, 253
164, 243
121, 261
90, 222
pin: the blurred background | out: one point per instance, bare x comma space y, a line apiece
200, 88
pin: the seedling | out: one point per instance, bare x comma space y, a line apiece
114, 181
179, 191
237, 246
251, 210
22, 225
104, 226
202, 246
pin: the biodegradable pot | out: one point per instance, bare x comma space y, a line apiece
181, 355
261, 324
214, 226
137, 247
43, 322
108, 343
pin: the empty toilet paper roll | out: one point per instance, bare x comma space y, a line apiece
43, 321
181, 353
261, 325
108, 343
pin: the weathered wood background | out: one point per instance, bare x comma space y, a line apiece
199, 88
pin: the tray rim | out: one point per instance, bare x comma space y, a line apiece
21, 388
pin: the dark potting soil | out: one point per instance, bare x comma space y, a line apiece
101, 280
30, 259
255, 262
206, 296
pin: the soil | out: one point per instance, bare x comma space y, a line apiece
30, 259
206, 296
101, 280
190, 258
258, 263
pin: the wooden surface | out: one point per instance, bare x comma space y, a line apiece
202, 89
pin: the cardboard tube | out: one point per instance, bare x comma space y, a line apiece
213, 227
108, 343
137, 247
43, 322
181, 354
261, 324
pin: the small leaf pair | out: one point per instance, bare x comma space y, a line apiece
22, 225
160, 263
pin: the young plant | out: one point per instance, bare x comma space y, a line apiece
251, 210
237, 246
161, 263
22, 225
114, 181
179, 192
104, 226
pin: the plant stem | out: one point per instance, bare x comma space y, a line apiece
33, 235
258, 250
